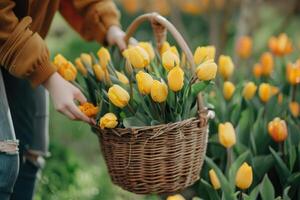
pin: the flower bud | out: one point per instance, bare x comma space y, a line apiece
68, 71
118, 96
244, 176
159, 91
164, 47
267, 63
86, 58
170, 60
214, 179
244, 47
137, 57
226, 134
203, 54
109, 120
249, 90
257, 70
294, 108
278, 130
99, 72
176, 79
228, 90
281, 45
122, 78
147, 46
293, 73
89, 109
104, 57
81, 68
226, 67
265, 92
144, 82
59, 60
207, 70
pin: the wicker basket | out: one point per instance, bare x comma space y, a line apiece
157, 159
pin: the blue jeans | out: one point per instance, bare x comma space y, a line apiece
29, 113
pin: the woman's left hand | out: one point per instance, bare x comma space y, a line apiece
116, 36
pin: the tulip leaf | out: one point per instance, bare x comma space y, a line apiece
258, 168
294, 179
227, 190
198, 87
235, 166
285, 193
254, 193
235, 114
266, 189
131, 122
212, 193
281, 167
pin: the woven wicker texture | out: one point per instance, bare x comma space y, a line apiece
157, 159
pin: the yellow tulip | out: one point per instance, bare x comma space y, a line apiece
165, 46
281, 45
278, 130
203, 54
176, 79
226, 134
174, 50
257, 70
144, 82
267, 63
81, 68
294, 108
293, 73
265, 92
226, 67
89, 109
122, 78
59, 60
68, 71
170, 60
109, 120
249, 90
99, 72
137, 57
244, 176
207, 70
159, 91
147, 46
176, 197
118, 96
86, 58
228, 90
214, 179
244, 47
104, 57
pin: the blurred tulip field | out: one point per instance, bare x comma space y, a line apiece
254, 139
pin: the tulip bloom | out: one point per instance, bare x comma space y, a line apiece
226, 67
147, 46
89, 109
278, 130
265, 92
203, 54
122, 78
244, 47
59, 60
104, 57
67, 70
109, 120
99, 72
207, 70
176, 197
118, 96
81, 68
144, 82
249, 90
165, 46
170, 60
257, 70
294, 108
86, 58
176, 79
293, 73
226, 134
244, 176
267, 63
159, 91
137, 56
281, 45
228, 90
214, 179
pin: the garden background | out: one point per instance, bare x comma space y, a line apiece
75, 169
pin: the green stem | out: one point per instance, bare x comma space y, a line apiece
241, 195
229, 159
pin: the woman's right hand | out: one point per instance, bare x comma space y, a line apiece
63, 95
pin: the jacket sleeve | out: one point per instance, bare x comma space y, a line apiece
22, 52
90, 18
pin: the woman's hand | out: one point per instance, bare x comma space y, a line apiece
116, 36
63, 95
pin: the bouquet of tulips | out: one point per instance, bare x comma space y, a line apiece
148, 87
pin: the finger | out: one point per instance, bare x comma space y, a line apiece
68, 114
78, 114
133, 41
80, 97
121, 44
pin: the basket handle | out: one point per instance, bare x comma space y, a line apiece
160, 25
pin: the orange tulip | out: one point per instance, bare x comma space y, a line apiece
257, 70
267, 63
244, 47
89, 109
293, 73
281, 45
294, 108
278, 130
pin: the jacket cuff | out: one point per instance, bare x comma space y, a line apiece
41, 73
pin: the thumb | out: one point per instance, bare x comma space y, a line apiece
80, 97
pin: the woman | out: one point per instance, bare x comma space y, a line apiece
27, 71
